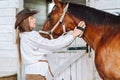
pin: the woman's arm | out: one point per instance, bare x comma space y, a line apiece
54, 44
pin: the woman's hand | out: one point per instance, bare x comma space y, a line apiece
78, 31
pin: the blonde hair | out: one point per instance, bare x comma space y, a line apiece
18, 44
23, 27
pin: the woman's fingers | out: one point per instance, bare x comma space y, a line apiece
81, 24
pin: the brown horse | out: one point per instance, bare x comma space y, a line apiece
102, 33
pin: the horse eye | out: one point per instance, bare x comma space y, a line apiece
55, 8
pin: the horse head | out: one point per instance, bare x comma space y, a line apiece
58, 20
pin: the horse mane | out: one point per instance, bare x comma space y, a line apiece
92, 15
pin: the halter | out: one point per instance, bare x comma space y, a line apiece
56, 25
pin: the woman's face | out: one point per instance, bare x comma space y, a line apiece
32, 22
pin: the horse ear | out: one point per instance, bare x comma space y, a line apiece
56, 1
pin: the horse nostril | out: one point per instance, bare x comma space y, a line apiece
50, 32
48, 16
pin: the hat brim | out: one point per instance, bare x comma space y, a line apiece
26, 15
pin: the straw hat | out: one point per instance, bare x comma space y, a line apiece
25, 13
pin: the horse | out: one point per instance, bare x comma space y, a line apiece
102, 33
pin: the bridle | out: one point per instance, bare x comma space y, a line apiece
60, 21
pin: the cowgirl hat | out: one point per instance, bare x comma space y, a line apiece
22, 15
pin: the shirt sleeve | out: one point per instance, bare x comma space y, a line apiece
54, 44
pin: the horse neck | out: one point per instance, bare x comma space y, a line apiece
92, 34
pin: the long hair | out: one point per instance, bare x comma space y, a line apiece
18, 45
23, 27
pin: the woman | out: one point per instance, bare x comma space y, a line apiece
33, 46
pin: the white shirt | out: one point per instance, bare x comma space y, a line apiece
34, 47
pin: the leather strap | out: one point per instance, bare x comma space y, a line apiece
48, 68
81, 28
